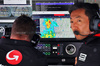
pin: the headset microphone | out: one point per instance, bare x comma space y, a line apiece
77, 33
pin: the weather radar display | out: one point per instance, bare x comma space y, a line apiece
55, 28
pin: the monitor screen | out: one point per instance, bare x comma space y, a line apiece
7, 2
51, 5
53, 25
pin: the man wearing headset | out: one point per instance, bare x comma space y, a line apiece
18, 50
85, 25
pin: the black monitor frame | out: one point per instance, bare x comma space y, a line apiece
38, 16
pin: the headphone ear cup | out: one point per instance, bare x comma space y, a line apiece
7, 32
95, 25
35, 39
91, 25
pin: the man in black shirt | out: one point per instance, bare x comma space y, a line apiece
18, 50
85, 25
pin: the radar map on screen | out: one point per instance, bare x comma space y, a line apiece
51, 26
55, 28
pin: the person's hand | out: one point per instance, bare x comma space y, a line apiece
75, 60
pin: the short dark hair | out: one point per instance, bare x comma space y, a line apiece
90, 9
24, 25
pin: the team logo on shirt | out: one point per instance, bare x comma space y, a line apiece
14, 57
82, 57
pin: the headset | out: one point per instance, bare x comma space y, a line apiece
35, 39
7, 32
95, 23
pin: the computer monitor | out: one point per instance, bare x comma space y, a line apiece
51, 5
53, 26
